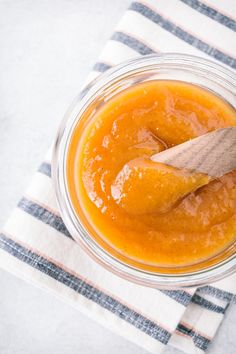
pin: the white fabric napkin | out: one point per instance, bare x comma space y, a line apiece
36, 246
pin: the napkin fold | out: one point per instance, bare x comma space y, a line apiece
36, 246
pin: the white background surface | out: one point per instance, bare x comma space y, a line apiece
46, 51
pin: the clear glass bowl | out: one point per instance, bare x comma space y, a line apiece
182, 67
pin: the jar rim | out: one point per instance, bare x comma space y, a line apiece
219, 74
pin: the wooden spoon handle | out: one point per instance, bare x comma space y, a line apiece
213, 154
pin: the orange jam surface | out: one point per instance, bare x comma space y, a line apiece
144, 211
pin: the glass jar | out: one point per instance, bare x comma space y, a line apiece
191, 69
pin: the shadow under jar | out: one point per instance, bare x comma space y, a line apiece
101, 155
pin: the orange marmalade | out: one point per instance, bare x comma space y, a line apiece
146, 211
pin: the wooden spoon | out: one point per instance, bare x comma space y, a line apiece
202, 159
213, 154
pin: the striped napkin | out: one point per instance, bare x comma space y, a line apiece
36, 246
